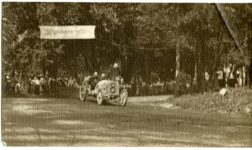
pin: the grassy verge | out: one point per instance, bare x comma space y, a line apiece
62, 92
237, 100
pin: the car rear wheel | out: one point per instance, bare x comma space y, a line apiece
83, 93
123, 97
99, 98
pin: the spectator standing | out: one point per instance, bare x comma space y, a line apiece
42, 85
70, 82
207, 77
8, 83
30, 85
17, 84
139, 85
144, 88
133, 86
243, 76
232, 77
227, 73
49, 84
75, 84
36, 85
221, 80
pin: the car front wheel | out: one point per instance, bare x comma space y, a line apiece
99, 98
83, 93
123, 97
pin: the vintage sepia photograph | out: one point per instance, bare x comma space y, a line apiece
86, 74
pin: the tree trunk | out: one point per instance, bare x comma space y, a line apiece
249, 67
200, 67
147, 66
177, 59
250, 74
217, 57
195, 80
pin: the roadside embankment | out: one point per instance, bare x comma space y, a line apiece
235, 101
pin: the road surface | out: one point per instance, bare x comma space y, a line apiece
70, 122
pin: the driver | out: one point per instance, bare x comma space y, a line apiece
114, 73
103, 76
93, 80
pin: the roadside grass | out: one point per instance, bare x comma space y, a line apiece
236, 101
62, 92
65, 93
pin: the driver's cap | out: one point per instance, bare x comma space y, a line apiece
95, 74
115, 65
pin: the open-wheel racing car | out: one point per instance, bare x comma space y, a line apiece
105, 90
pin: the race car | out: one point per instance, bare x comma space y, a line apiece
105, 90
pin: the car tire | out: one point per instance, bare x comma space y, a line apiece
83, 93
123, 97
99, 98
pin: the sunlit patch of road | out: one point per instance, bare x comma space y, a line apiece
69, 122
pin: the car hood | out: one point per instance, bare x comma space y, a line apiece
104, 82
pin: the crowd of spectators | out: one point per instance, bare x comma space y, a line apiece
231, 76
139, 87
148, 89
36, 85
228, 76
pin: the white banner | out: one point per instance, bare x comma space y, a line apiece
67, 32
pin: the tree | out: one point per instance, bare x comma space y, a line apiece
144, 38
238, 27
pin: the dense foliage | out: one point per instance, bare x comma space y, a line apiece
142, 38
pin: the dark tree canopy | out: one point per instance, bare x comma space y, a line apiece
142, 38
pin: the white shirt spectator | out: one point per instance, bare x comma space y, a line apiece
36, 81
227, 71
220, 74
231, 75
239, 73
42, 80
206, 76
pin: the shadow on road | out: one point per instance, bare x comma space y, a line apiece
68, 121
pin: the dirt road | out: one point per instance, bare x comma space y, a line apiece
69, 122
